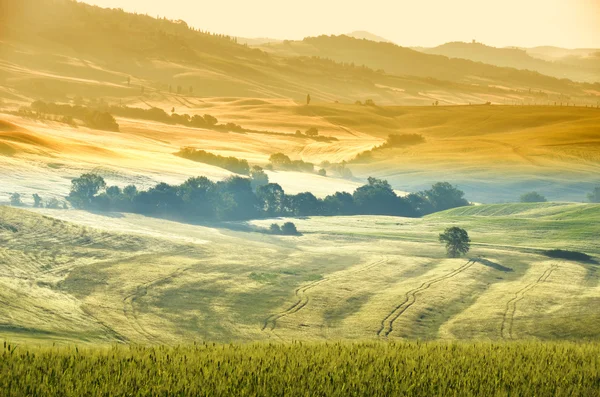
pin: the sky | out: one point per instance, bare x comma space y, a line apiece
500, 23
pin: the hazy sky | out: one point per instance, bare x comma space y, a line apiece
564, 23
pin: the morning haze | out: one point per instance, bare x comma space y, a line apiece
186, 211
562, 23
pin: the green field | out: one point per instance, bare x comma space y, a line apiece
306, 369
74, 276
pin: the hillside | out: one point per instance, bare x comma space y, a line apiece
493, 153
73, 276
57, 49
402, 61
518, 59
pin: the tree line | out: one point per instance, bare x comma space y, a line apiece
241, 198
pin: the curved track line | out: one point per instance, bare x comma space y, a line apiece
303, 299
508, 319
128, 303
387, 324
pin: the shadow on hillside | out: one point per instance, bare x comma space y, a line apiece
493, 265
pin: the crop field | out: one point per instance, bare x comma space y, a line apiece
550, 149
301, 369
74, 276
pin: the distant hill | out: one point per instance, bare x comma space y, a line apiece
364, 35
59, 49
515, 58
402, 61
257, 40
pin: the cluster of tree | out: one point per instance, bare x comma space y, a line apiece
313, 133
53, 203
392, 141
287, 229
239, 166
338, 169
368, 102
283, 162
533, 197
157, 114
92, 117
240, 198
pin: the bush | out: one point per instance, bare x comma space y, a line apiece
289, 229
533, 197
101, 121
275, 229
53, 203
15, 200
37, 201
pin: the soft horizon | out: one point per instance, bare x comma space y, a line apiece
560, 23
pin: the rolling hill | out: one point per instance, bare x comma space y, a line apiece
72, 276
56, 49
518, 59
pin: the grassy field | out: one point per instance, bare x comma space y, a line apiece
74, 276
301, 369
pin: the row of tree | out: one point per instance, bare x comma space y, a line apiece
240, 198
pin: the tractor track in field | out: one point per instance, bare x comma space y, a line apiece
303, 298
508, 319
387, 324
141, 290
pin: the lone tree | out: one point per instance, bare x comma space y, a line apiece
308, 99
457, 241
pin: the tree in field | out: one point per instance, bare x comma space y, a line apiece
84, 188
533, 197
457, 241
15, 200
594, 196
308, 99
289, 229
37, 201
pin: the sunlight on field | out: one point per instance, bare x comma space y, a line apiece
108, 278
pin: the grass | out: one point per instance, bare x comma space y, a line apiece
150, 281
300, 369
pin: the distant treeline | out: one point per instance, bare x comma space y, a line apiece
240, 198
239, 166
94, 118
392, 141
